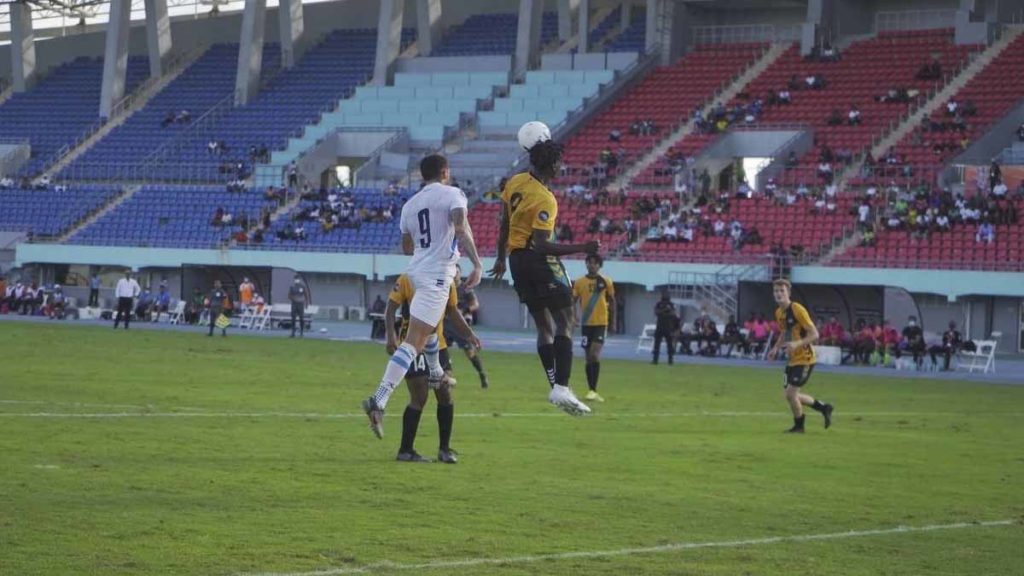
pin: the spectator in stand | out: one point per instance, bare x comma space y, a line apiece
995, 175
6, 183
951, 344
829, 53
168, 120
890, 339
1020, 133
864, 215
1000, 190
832, 333
864, 344
785, 97
55, 308
711, 339
615, 135
218, 217
670, 233
26, 300
733, 338
985, 234
853, 116
951, 107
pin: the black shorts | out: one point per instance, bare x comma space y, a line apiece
798, 375
593, 335
540, 281
419, 365
453, 338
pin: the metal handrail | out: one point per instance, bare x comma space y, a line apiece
914, 20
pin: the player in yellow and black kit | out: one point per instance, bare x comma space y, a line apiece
595, 297
527, 230
418, 375
798, 334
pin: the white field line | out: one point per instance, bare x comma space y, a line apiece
552, 414
681, 546
73, 404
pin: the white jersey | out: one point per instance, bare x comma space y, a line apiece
427, 218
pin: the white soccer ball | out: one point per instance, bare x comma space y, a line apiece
533, 132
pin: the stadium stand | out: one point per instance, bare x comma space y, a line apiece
666, 97
491, 34
547, 96
53, 211
632, 38
61, 108
173, 217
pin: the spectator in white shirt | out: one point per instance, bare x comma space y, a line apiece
670, 233
853, 116
986, 233
790, 198
1000, 190
125, 291
6, 183
831, 191
863, 214
951, 107
942, 222
719, 228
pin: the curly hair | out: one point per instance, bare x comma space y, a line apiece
545, 157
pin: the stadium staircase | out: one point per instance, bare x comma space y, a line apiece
774, 52
128, 106
716, 293
600, 23
114, 202
953, 87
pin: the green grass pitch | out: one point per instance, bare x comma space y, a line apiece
173, 453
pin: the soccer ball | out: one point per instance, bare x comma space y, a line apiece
533, 132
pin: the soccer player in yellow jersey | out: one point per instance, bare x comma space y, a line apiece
418, 375
595, 299
526, 236
798, 334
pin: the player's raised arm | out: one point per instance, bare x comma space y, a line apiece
498, 270
464, 233
542, 244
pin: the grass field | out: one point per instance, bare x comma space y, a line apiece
173, 453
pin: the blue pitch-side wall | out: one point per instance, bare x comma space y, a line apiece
951, 284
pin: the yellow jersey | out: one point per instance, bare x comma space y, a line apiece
595, 296
795, 321
402, 294
531, 206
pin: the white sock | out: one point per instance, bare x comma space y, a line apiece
399, 364
432, 354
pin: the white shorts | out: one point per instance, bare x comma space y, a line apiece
431, 297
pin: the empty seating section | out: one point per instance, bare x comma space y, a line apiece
491, 34
866, 70
956, 249
993, 93
373, 237
61, 108
209, 80
605, 27
547, 96
633, 38
428, 105
172, 217
789, 226
48, 213
667, 97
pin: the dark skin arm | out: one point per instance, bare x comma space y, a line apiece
499, 262
543, 245
389, 327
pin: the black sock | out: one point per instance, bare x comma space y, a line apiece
547, 360
563, 360
410, 423
475, 361
593, 373
818, 406
445, 419
798, 422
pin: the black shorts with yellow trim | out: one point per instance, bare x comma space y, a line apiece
419, 367
540, 281
798, 375
593, 335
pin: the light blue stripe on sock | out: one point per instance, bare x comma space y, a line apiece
400, 361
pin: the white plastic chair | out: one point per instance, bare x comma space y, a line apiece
645, 343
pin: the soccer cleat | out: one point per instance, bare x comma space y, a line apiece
827, 413
445, 379
376, 415
794, 430
412, 457
448, 456
593, 395
563, 397
483, 381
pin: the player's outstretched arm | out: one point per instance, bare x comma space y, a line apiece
543, 245
499, 262
465, 236
407, 246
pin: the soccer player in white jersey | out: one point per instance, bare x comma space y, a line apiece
434, 224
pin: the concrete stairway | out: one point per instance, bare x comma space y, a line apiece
128, 192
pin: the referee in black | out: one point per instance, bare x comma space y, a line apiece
668, 322
297, 296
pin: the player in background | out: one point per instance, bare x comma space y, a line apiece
417, 378
798, 334
468, 304
595, 299
527, 238
434, 224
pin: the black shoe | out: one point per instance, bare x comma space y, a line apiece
483, 381
412, 457
795, 430
827, 413
448, 456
